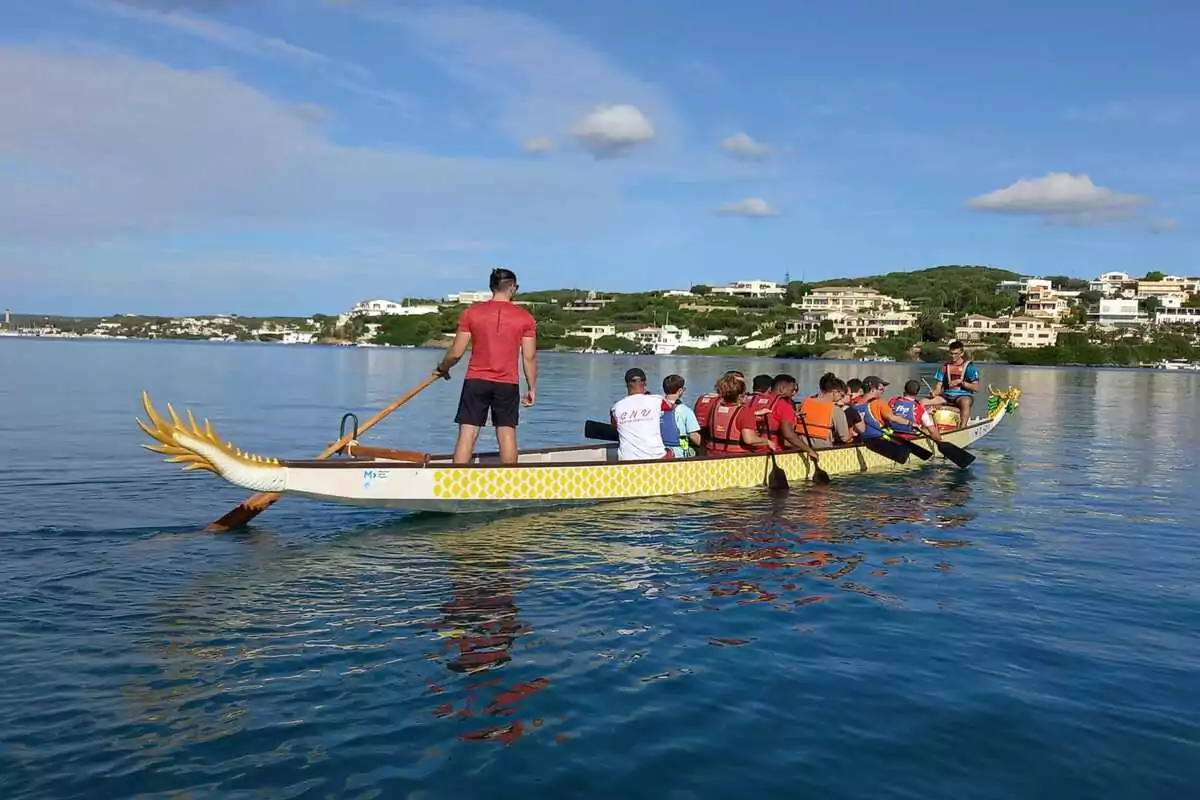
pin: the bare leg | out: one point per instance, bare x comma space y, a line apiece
464, 448
964, 407
933, 402
506, 438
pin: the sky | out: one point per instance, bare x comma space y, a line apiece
297, 156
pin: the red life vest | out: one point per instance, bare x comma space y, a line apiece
724, 437
954, 374
765, 422
703, 408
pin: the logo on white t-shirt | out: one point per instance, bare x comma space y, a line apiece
637, 420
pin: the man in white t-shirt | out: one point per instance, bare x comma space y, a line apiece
638, 420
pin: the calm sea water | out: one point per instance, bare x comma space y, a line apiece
1024, 629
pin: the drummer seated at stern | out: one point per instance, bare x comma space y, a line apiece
956, 382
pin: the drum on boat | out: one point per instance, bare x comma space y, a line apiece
946, 418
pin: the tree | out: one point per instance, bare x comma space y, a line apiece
826, 327
1151, 305
701, 289
932, 328
795, 290
1154, 276
1067, 284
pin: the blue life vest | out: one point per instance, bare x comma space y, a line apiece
669, 428
904, 407
874, 428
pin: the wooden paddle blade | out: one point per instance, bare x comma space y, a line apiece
241, 514
820, 475
889, 450
960, 457
776, 478
603, 431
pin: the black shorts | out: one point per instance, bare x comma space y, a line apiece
479, 397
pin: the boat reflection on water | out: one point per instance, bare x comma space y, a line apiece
479, 623
799, 547
354, 613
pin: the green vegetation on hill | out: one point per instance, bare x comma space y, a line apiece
958, 289
1095, 348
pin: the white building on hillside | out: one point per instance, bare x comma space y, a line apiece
379, 308
1024, 285
1046, 302
1111, 283
1178, 316
1116, 312
1018, 331
1165, 287
753, 289
467, 298
594, 332
860, 328
850, 298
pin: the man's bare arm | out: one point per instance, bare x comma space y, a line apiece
458, 349
529, 364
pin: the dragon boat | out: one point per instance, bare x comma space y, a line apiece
587, 473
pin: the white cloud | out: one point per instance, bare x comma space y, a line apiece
741, 145
104, 147
539, 144
530, 77
750, 207
1064, 197
613, 130
1163, 225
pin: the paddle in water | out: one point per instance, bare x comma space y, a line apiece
776, 478
888, 449
819, 475
254, 505
953, 453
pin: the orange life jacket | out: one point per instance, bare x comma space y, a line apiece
724, 436
818, 418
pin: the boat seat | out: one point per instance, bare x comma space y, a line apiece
366, 452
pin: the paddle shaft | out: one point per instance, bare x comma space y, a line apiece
254, 505
819, 475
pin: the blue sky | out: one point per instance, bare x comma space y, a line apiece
295, 156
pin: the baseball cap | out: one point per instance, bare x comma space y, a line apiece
871, 381
634, 374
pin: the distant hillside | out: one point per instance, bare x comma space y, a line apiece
955, 288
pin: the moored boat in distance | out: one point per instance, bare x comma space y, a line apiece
587, 473
1178, 364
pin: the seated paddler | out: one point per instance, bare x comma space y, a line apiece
774, 412
956, 382
640, 419
731, 427
877, 416
915, 418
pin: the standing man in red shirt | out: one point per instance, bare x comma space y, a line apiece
498, 332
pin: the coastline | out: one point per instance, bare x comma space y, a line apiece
752, 355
